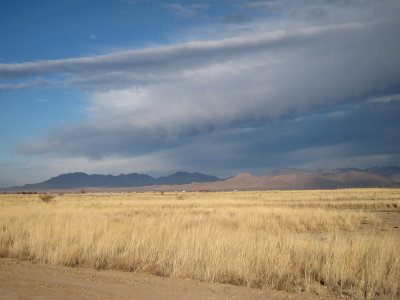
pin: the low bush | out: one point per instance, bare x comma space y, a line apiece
46, 197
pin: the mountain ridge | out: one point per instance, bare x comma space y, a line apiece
83, 180
279, 179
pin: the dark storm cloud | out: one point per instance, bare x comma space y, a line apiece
350, 136
361, 137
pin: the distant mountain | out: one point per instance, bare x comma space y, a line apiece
83, 180
184, 178
281, 179
295, 179
286, 172
303, 180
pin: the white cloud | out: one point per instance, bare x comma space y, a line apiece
43, 100
178, 57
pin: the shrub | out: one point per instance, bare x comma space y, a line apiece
46, 197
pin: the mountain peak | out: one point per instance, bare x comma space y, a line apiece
286, 171
244, 175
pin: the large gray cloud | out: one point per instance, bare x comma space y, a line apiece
363, 137
144, 100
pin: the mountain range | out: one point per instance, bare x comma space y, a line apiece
280, 179
83, 180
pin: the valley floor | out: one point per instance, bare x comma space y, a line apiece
316, 244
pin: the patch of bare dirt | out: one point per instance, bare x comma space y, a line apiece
390, 218
27, 280
390, 221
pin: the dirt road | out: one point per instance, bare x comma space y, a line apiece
26, 280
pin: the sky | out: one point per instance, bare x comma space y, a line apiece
218, 87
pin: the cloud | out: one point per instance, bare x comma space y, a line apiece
38, 83
42, 100
185, 11
265, 6
385, 99
132, 2
236, 19
169, 98
362, 137
177, 58
92, 37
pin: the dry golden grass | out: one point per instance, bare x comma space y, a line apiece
294, 240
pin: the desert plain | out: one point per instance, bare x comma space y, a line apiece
201, 245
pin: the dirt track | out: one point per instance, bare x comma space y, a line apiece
26, 280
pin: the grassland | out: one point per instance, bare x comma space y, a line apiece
320, 241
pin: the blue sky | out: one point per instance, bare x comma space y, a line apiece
219, 87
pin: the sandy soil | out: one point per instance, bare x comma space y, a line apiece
27, 280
